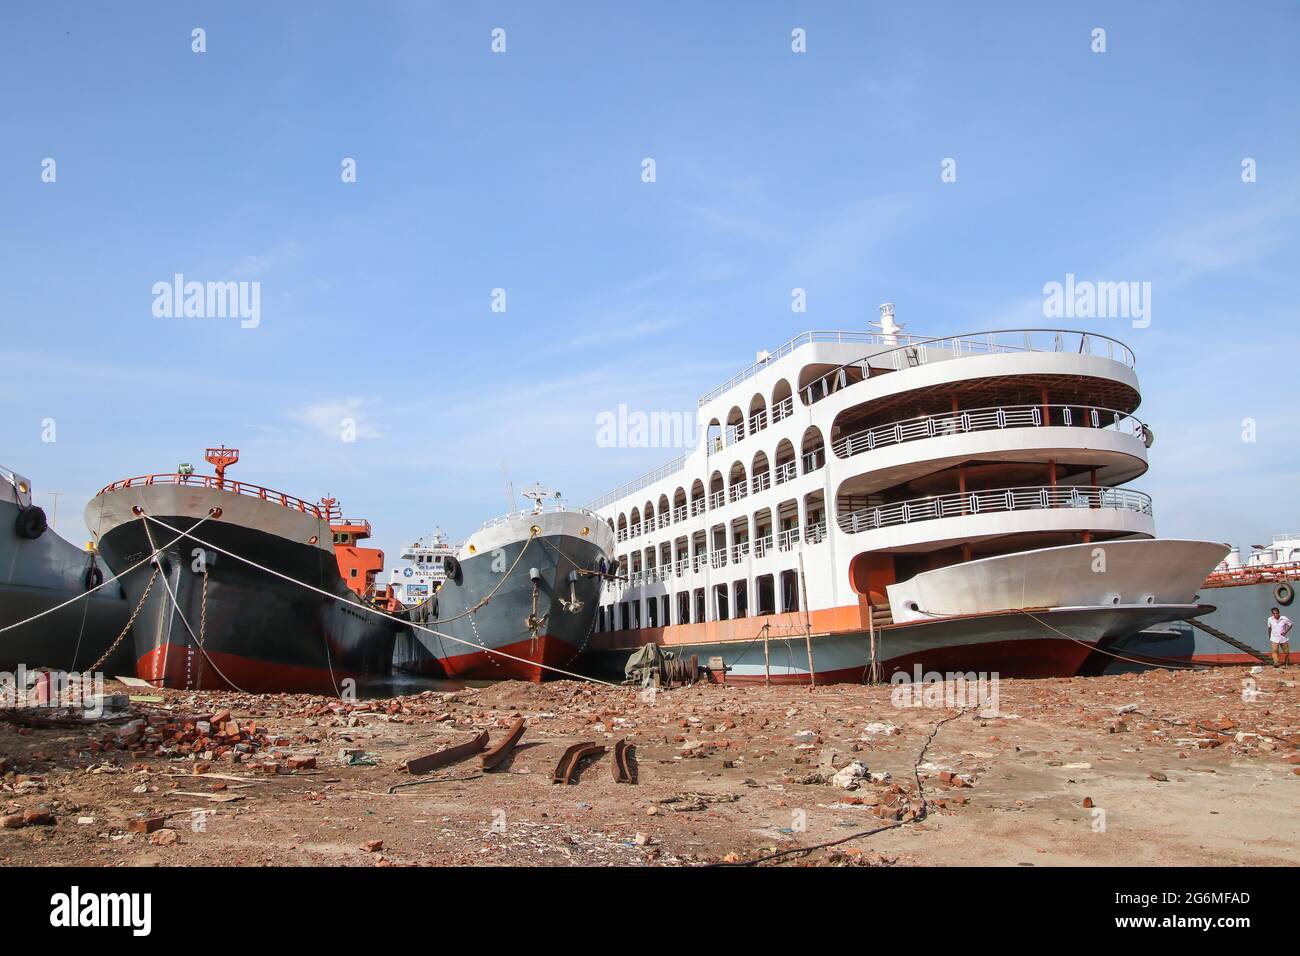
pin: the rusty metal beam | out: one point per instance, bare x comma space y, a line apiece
447, 755
491, 758
624, 769
575, 755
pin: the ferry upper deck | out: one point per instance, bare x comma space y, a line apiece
845, 461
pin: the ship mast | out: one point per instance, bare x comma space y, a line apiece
222, 458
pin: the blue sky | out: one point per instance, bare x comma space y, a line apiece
522, 171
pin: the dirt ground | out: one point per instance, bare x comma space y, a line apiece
1160, 769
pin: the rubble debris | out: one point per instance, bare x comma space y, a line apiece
848, 777
709, 745
686, 802
881, 728
163, 837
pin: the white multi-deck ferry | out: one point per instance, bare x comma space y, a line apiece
885, 498
425, 568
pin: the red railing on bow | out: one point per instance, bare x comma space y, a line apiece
227, 485
1255, 574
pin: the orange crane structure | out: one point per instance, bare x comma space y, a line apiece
222, 458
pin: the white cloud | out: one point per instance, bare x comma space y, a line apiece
330, 418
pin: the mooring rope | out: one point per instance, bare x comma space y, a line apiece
376, 611
86, 593
1119, 657
198, 641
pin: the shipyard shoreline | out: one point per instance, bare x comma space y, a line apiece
1157, 768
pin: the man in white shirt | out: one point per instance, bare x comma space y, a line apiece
1279, 627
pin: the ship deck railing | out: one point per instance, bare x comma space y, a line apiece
1282, 572
916, 352
363, 523
546, 510
228, 485
901, 350
1031, 498
803, 338
720, 557
986, 419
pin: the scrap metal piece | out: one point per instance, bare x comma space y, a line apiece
575, 755
624, 769
503, 749
447, 755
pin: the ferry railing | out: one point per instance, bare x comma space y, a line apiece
762, 546
665, 520
1032, 498
758, 421
621, 535
698, 507
717, 500
635, 530
737, 491
699, 561
735, 433
681, 567
760, 482
917, 352
679, 513
803, 338
816, 533
786, 540
739, 552
786, 472
987, 419
718, 558
663, 471
783, 408
814, 460
225, 484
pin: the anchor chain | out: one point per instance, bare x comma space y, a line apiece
131, 620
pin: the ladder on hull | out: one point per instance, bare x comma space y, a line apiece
1215, 632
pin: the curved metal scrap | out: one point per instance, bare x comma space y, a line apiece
497, 755
569, 761
624, 768
447, 755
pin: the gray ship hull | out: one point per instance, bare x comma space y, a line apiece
1239, 611
541, 591
38, 574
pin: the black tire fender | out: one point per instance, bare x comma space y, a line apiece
94, 577
1284, 593
31, 523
